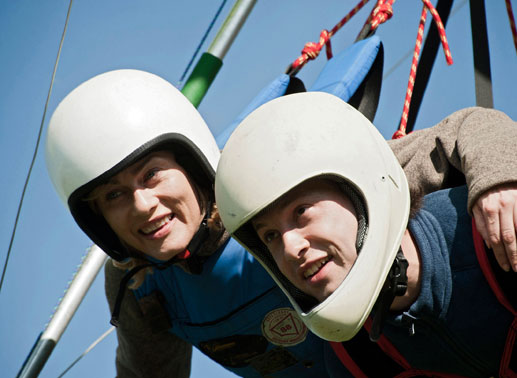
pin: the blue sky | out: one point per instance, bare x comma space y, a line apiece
161, 36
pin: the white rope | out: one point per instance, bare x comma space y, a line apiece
94, 344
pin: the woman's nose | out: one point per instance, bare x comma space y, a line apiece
295, 244
144, 200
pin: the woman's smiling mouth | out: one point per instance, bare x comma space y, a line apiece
153, 227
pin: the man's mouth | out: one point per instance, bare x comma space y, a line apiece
153, 227
314, 268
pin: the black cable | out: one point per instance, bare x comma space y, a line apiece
202, 41
36, 148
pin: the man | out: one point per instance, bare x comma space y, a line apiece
314, 192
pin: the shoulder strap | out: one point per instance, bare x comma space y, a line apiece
364, 358
358, 354
501, 284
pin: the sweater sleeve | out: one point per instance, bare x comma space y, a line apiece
142, 352
475, 146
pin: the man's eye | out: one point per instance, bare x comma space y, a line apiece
300, 210
270, 236
150, 174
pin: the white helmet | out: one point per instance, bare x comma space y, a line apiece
109, 122
290, 140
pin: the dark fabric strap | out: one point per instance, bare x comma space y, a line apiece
366, 97
367, 358
503, 285
364, 358
121, 291
395, 285
482, 75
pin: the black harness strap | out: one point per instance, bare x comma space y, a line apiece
366, 97
482, 75
370, 358
122, 290
503, 286
396, 285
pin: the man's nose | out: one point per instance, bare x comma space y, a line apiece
295, 244
144, 200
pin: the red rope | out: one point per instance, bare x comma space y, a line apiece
350, 14
511, 18
414, 64
441, 31
311, 50
412, 74
382, 13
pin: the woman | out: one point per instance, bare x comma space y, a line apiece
135, 163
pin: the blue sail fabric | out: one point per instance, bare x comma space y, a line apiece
341, 76
344, 73
275, 89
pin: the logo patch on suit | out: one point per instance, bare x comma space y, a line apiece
283, 327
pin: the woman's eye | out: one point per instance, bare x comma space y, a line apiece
114, 194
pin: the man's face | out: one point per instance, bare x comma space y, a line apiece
311, 233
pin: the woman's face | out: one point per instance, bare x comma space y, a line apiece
311, 233
152, 206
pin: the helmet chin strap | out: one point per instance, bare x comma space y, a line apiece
190, 255
194, 261
395, 285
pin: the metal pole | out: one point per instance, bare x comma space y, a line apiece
231, 27
46, 342
211, 61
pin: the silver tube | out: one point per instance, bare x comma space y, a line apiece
82, 281
73, 297
231, 27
